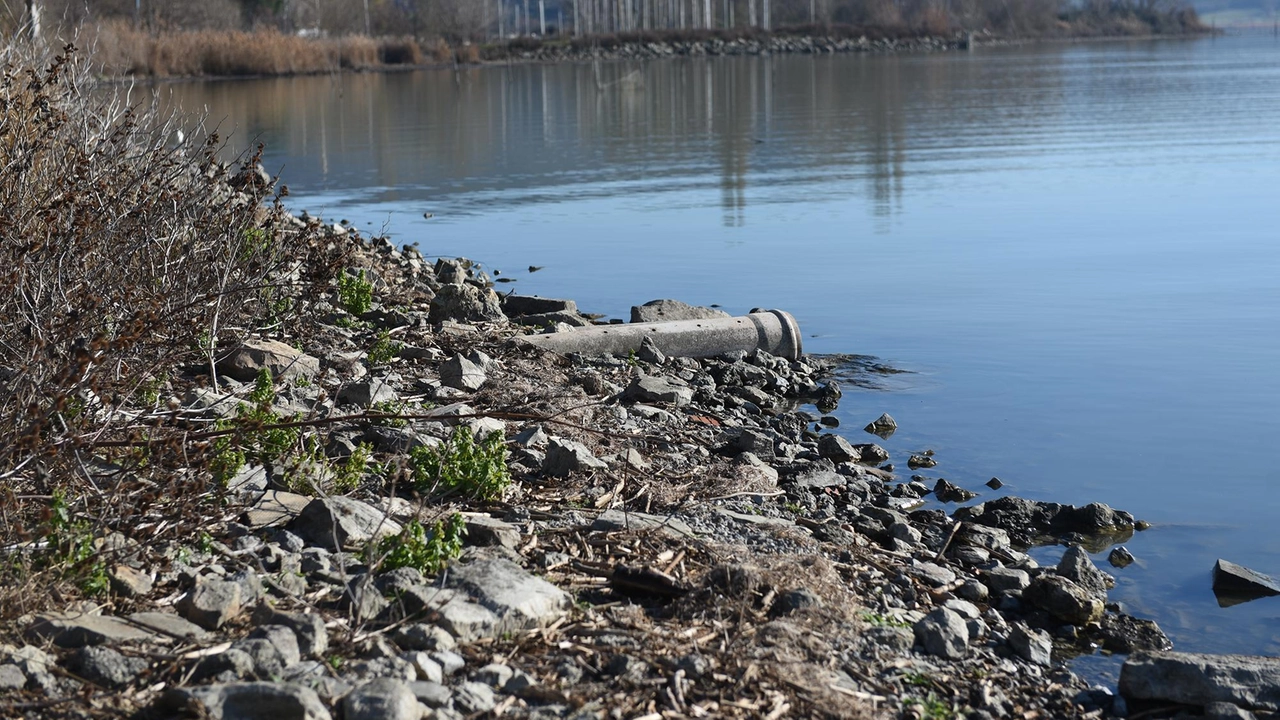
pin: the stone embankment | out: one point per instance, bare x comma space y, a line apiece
715, 46
673, 537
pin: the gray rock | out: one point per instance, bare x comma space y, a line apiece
367, 393
128, 582
1120, 557
225, 667
463, 618
432, 694
649, 389
871, 454
73, 630
336, 522
466, 304
105, 666
650, 352
916, 461
169, 625
11, 678
381, 699
1034, 646
420, 636
473, 697
837, 449
283, 639
947, 491
1063, 599
485, 531
932, 574
943, 633
250, 701
568, 456
759, 444
883, 426
460, 373
531, 437
668, 310
982, 536
1226, 711
212, 602
494, 675
451, 661
514, 305
520, 600
1123, 633
613, 520
1237, 581
284, 362
308, 630
1078, 567
426, 668
267, 660
1003, 579
275, 507
1199, 679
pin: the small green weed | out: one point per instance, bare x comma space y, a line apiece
254, 438
917, 679
931, 707
390, 407
349, 476
463, 465
384, 349
70, 547
428, 552
794, 508
355, 293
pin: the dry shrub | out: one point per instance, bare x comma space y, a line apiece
356, 52
469, 54
400, 51
127, 256
440, 51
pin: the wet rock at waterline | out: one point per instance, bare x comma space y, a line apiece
1199, 680
1234, 584
465, 303
883, 426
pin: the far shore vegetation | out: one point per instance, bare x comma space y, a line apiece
212, 38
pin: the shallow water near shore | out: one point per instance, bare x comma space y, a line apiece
1072, 247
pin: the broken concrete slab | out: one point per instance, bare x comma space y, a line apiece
74, 630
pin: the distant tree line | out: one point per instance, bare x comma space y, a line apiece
487, 20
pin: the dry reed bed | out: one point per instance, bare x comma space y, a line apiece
118, 50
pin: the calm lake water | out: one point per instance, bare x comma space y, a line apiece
1072, 248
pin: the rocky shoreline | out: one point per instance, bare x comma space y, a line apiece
645, 537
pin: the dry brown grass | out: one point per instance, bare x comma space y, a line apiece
119, 50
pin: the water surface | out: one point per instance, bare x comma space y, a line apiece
1072, 247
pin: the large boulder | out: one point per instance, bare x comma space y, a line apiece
336, 522
1198, 679
1063, 599
943, 633
466, 303
286, 363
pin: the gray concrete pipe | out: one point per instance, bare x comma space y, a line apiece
773, 331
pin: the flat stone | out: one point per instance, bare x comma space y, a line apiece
650, 389
614, 520
460, 373
520, 600
1227, 711
381, 699
128, 582
275, 507
668, 310
212, 602
1002, 579
250, 701
932, 574
1199, 679
943, 633
169, 625
514, 305
338, 522
73, 630
473, 698
284, 362
486, 531
1120, 633
432, 694
1237, 583
568, 456
837, 449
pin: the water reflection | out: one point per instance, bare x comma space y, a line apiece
525, 133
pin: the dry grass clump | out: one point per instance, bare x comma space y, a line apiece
127, 256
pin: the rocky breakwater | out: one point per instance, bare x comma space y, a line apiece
458, 524
616, 48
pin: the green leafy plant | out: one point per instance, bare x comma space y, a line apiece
384, 349
879, 620
427, 551
349, 476
255, 436
390, 407
355, 293
794, 508
931, 707
463, 465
